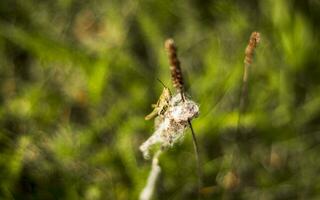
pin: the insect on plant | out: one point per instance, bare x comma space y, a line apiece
162, 104
173, 115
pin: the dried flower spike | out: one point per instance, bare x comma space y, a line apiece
173, 115
176, 74
253, 42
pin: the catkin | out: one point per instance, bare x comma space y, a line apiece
253, 42
176, 73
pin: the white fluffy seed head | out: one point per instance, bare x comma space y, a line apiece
182, 111
171, 126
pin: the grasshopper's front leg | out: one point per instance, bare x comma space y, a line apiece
152, 114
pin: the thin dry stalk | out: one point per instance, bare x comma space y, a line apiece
177, 81
249, 52
173, 116
148, 190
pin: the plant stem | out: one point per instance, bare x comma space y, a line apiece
148, 190
196, 150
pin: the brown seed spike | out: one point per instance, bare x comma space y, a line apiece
253, 42
176, 73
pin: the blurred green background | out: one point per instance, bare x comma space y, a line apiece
78, 77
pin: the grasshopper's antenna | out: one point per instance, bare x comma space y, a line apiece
162, 83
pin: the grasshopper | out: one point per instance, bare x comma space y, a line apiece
162, 104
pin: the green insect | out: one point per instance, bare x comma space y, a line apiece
162, 104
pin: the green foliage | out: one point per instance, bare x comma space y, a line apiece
78, 77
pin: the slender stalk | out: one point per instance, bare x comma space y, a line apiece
178, 83
253, 42
243, 94
196, 150
148, 190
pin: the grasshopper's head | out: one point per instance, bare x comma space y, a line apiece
166, 94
